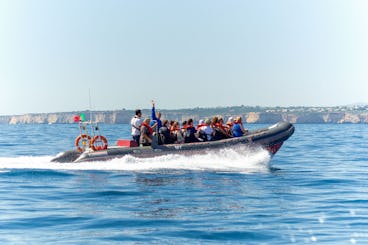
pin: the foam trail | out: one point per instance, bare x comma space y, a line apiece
241, 159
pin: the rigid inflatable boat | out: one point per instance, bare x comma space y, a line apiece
270, 138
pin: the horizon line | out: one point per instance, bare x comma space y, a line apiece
178, 109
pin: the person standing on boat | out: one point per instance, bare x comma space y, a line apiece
136, 123
156, 116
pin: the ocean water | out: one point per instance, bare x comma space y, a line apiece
313, 191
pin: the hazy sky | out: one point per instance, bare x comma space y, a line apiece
183, 54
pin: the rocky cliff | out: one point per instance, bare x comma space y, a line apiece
250, 115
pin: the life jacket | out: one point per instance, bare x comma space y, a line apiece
201, 125
220, 125
172, 129
217, 132
174, 133
150, 130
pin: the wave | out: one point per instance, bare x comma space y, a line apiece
242, 159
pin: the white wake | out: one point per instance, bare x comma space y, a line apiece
241, 159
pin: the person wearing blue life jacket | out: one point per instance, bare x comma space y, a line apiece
238, 128
156, 116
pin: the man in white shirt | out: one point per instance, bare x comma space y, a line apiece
136, 123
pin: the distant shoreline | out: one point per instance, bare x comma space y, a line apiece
250, 114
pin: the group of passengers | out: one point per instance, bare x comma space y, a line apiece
171, 132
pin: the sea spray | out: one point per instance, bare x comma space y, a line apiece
242, 159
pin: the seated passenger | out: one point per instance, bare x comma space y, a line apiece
238, 128
230, 122
184, 127
164, 133
229, 126
146, 133
219, 129
206, 130
176, 134
200, 124
189, 133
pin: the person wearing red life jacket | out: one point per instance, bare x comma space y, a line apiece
146, 133
200, 124
184, 127
190, 132
229, 126
176, 134
205, 130
219, 129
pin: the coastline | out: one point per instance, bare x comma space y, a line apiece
340, 114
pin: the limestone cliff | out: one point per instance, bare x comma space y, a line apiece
249, 114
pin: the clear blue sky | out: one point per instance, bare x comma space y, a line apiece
183, 54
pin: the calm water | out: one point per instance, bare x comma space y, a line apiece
314, 191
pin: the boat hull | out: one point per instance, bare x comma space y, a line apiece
270, 138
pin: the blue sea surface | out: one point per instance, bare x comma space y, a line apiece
313, 191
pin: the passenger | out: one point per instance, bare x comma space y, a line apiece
190, 132
229, 126
136, 124
214, 120
200, 124
176, 134
164, 133
171, 124
219, 130
225, 127
206, 129
156, 116
230, 122
238, 128
184, 127
146, 133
